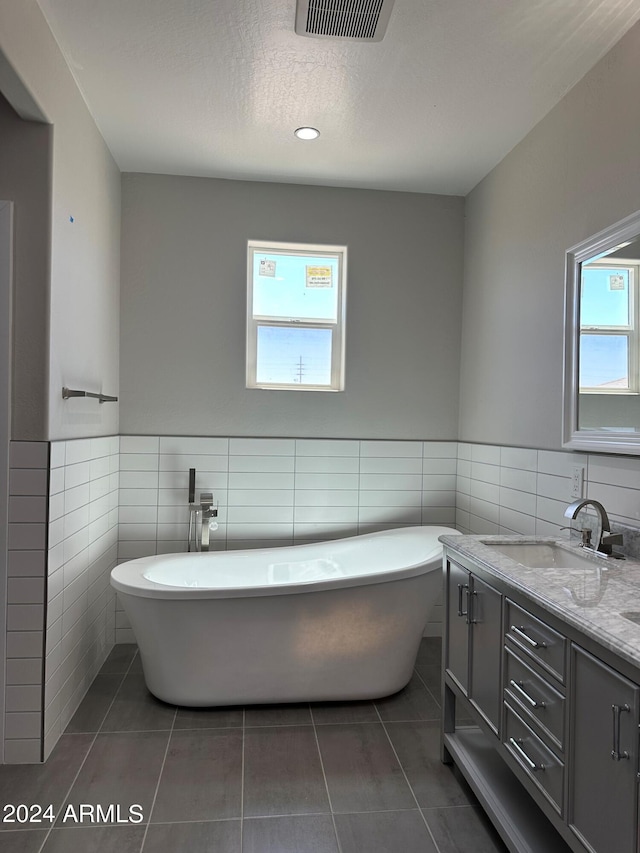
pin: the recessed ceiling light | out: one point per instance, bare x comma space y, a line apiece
307, 133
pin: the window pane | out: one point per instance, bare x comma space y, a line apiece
295, 286
298, 356
604, 299
604, 361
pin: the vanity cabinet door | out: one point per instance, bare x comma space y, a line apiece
474, 640
457, 636
485, 617
603, 795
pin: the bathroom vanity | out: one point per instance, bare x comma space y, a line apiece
541, 666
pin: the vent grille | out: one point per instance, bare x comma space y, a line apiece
354, 19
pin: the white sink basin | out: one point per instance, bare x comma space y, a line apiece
542, 555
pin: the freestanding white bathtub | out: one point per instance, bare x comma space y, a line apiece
335, 620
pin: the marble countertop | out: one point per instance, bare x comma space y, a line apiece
590, 598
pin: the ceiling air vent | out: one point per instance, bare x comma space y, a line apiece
353, 19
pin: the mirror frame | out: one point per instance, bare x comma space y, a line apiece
575, 438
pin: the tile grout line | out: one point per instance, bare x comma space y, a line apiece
314, 814
293, 499
277, 816
424, 820
45, 608
194, 820
155, 796
324, 776
84, 760
244, 714
436, 699
359, 487
226, 548
422, 490
157, 498
106, 713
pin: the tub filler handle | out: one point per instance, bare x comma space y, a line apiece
205, 512
209, 514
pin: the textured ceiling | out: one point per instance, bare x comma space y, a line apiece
217, 87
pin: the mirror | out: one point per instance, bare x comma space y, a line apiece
602, 341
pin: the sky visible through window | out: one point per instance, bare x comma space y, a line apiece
604, 361
288, 293
299, 356
295, 287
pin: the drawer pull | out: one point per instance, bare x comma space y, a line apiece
616, 753
517, 745
524, 636
517, 686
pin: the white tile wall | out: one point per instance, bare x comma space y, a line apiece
290, 490
535, 488
83, 548
26, 586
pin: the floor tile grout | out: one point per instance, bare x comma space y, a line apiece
153, 802
403, 721
326, 814
326, 783
406, 778
436, 699
115, 695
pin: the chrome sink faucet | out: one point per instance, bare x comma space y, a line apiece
605, 543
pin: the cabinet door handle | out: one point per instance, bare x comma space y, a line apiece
517, 686
461, 589
616, 753
472, 598
524, 636
517, 745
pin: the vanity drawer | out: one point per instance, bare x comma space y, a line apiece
537, 639
536, 760
534, 697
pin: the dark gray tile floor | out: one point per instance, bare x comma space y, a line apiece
345, 777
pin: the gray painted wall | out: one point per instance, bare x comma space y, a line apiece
183, 301
83, 260
25, 179
575, 173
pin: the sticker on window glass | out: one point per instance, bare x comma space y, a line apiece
616, 282
267, 268
319, 277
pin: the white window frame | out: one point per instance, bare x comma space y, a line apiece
630, 331
254, 322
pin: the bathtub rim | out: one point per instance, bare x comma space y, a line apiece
127, 578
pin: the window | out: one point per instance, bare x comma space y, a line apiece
296, 316
609, 327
